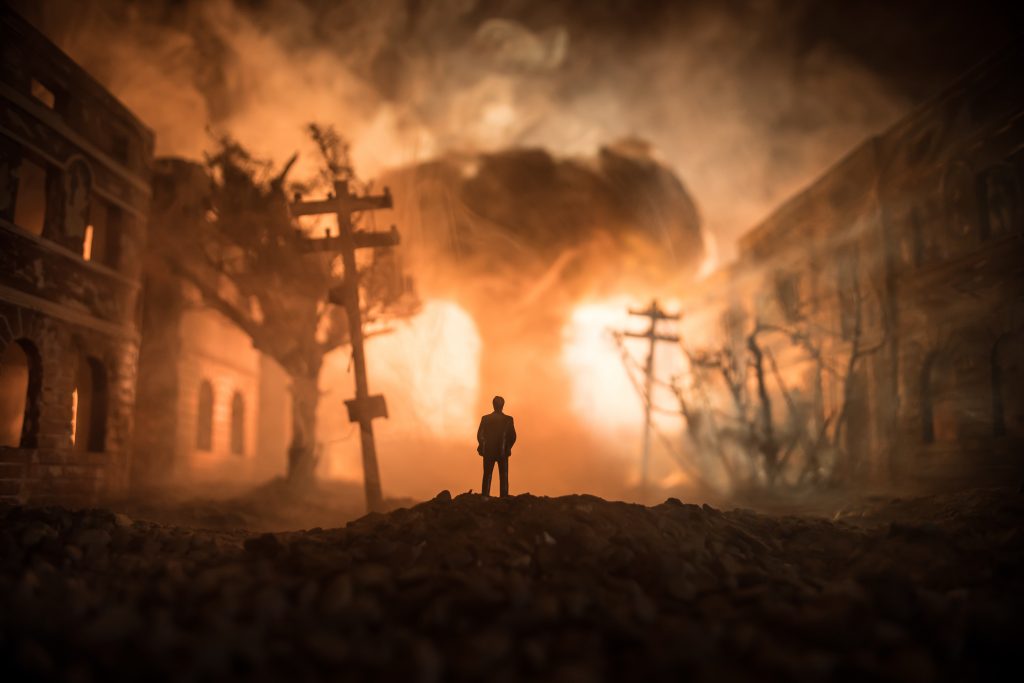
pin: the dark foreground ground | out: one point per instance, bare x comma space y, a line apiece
570, 589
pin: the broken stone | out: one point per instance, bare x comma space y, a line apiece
35, 533
336, 594
439, 592
266, 545
92, 538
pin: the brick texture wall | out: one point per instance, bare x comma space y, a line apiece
55, 470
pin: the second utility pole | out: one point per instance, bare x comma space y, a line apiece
655, 314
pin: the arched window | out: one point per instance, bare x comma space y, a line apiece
939, 411
858, 420
102, 241
848, 289
204, 417
917, 240
20, 382
30, 202
1007, 375
1000, 199
89, 406
960, 196
925, 399
238, 424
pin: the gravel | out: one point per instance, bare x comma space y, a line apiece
526, 588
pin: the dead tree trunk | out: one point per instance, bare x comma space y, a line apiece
302, 452
768, 444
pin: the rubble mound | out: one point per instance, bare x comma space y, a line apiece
523, 588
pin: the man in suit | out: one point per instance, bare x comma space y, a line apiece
495, 437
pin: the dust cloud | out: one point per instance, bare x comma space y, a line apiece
507, 249
451, 103
733, 96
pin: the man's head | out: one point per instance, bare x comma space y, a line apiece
498, 402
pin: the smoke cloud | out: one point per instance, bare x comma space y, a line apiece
731, 95
744, 101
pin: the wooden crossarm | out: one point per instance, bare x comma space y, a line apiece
347, 204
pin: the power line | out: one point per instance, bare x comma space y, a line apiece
655, 314
365, 407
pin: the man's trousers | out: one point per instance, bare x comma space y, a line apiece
485, 489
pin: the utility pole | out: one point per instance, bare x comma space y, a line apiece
654, 313
365, 407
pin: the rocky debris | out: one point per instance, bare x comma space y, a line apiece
276, 505
571, 588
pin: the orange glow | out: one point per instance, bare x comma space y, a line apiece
87, 243
602, 391
434, 358
603, 395
428, 367
74, 415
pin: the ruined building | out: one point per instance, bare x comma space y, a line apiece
74, 195
910, 253
210, 406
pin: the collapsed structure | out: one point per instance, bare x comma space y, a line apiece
904, 265
79, 289
74, 195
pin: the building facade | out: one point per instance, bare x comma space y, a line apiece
210, 406
908, 257
74, 196
951, 192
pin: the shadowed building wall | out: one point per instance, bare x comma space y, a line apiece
74, 196
918, 233
214, 408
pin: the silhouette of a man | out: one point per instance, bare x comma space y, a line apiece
495, 437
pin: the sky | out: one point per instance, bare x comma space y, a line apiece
747, 100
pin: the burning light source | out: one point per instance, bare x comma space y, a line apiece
428, 367
602, 393
74, 415
87, 243
606, 397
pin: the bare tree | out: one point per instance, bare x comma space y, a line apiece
225, 228
746, 431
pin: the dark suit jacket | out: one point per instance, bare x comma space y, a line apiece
496, 435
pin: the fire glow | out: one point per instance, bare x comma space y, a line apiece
430, 367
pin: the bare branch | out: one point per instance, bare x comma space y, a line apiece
213, 298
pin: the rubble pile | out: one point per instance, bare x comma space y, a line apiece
570, 588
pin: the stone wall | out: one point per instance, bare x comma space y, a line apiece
58, 300
952, 189
925, 223
184, 344
215, 351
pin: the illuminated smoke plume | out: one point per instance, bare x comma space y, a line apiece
505, 246
489, 120
524, 225
734, 96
